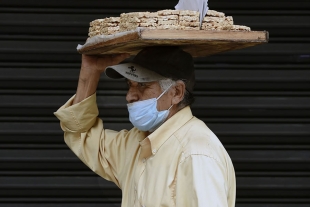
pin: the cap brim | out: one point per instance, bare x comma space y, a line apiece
132, 72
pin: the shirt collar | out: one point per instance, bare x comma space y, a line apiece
160, 135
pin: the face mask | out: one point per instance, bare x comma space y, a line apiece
144, 114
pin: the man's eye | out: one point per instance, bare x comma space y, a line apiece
141, 84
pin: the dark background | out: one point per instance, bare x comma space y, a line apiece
257, 101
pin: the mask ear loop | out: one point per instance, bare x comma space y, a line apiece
170, 107
163, 92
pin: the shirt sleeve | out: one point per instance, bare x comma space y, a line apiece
85, 135
201, 182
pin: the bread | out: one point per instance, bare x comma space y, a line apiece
217, 23
141, 20
139, 14
189, 18
240, 28
168, 12
214, 13
170, 22
164, 19
188, 28
189, 24
168, 27
189, 13
105, 26
133, 20
168, 17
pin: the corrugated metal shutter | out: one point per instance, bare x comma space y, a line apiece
256, 100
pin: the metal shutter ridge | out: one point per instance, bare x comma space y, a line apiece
256, 100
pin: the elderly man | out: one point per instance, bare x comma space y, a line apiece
169, 158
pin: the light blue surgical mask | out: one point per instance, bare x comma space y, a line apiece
144, 114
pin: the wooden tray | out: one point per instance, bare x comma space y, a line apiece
199, 43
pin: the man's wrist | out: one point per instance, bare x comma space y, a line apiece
87, 84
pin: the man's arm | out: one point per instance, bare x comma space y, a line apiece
83, 130
91, 69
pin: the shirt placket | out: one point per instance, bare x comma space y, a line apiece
142, 161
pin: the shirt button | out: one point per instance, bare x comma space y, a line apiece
143, 160
154, 151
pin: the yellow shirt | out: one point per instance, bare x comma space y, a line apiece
182, 163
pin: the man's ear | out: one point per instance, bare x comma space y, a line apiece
179, 91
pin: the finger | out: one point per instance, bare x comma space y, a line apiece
104, 61
117, 58
120, 57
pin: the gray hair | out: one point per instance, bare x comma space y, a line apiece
166, 83
188, 98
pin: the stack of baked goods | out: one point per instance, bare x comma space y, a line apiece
130, 21
240, 28
217, 21
105, 26
189, 20
168, 19
164, 19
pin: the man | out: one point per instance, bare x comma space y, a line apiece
169, 158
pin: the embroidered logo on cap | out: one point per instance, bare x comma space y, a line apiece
132, 71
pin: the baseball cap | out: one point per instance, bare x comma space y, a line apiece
157, 63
